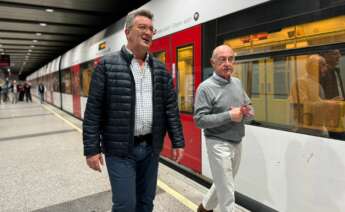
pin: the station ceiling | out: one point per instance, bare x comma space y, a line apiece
34, 32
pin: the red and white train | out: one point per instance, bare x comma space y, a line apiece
287, 164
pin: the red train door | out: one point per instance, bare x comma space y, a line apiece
181, 53
76, 90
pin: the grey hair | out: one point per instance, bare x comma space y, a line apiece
142, 12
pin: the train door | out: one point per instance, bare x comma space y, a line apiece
76, 90
278, 82
256, 73
161, 49
182, 54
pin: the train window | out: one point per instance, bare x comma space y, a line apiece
56, 82
312, 108
185, 79
50, 82
46, 82
304, 97
85, 75
327, 31
86, 79
160, 56
66, 82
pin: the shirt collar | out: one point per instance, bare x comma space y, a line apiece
221, 79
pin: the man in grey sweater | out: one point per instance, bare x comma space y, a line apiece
221, 107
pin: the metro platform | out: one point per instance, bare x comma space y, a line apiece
43, 168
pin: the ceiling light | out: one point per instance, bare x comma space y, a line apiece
32, 46
29, 50
2, 53
28, 53
38, 34
48, 10
43, 24
0, 45
35, 41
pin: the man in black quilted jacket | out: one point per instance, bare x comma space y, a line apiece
130, 107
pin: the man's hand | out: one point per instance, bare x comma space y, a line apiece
247, 111
177, 154
236, 114
95, 162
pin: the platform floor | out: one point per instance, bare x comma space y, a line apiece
42, 167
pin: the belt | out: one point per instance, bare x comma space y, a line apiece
143, 139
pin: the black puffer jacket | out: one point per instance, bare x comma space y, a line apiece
109, 116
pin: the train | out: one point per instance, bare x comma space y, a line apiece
290, 160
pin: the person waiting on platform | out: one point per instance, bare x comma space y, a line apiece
14, 92
221, 107
41, 92
5, 90
131, 105
27, 90
0, 93
21, 92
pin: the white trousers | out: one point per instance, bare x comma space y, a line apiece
224, 158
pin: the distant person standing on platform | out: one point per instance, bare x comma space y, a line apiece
41, 92
27, 90
131, 105
14, 92
5, 91
221, 106
0, 94
21, 92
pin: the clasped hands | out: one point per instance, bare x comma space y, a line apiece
237, 113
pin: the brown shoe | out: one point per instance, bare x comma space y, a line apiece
202, 209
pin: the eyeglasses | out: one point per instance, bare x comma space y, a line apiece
145, 28
222, 60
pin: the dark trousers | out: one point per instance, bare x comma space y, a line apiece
134, 179
28, 97
41, 97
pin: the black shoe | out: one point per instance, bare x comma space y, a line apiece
202, 209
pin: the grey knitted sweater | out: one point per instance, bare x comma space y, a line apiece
214, 98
